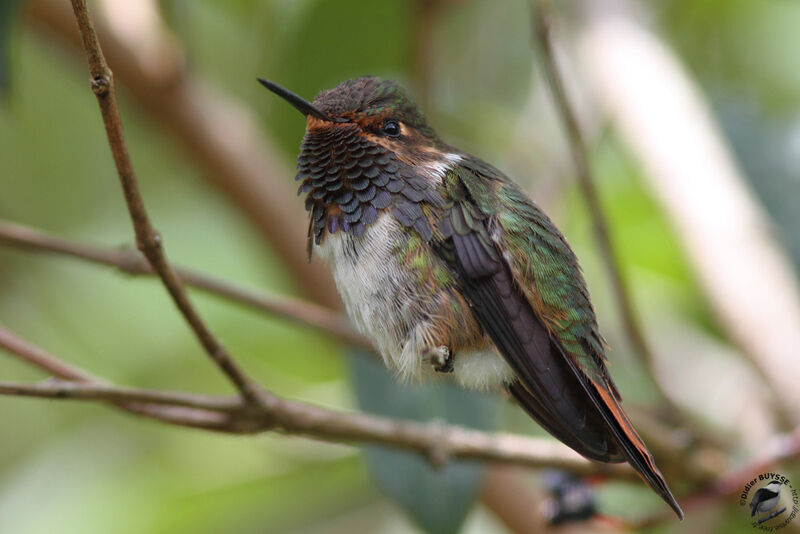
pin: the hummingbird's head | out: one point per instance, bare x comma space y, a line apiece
366, 145
378, 110
382, 110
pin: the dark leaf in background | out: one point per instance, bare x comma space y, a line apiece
437, 499
8, 13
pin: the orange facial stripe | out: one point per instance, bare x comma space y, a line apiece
313, 123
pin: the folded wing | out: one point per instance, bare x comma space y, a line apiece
548, 335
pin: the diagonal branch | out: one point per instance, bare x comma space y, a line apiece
132, 262
147, 239
37, 357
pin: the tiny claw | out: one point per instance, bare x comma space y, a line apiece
441, 359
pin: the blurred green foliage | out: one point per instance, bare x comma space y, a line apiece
437, 498
8, 16
81, 468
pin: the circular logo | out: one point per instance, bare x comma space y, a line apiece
770, 501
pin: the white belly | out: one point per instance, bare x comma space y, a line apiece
373, 287
379, 296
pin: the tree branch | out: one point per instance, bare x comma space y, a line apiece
147, 239
92, 391
234, 415
436, 441
132, 262
41, 359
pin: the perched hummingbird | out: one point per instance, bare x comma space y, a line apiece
449, 267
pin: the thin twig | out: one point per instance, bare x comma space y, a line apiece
541, 21
132, 262
234, 415
40, 358
147, 239
61, 389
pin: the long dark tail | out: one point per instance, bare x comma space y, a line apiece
550, 385
624, 442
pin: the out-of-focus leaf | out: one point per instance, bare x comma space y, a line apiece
437, 499
8, 13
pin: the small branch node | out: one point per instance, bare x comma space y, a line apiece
438, 452
150, 242
101, 85
130, 260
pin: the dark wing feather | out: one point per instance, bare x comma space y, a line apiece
548, 389
579, 408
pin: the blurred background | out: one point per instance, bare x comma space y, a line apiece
691, 113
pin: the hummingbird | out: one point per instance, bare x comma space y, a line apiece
448, 266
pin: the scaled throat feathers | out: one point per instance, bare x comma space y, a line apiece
351, 171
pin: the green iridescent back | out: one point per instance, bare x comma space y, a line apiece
545, 266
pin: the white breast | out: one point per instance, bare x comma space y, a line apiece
380, 297
374, 288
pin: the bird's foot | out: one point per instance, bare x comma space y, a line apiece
440, 357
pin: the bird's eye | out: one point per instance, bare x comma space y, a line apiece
391, 128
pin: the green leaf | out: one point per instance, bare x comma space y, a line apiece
438, 500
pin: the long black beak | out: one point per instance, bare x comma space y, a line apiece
301, 104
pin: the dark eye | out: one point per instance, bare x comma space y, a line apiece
391, 128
